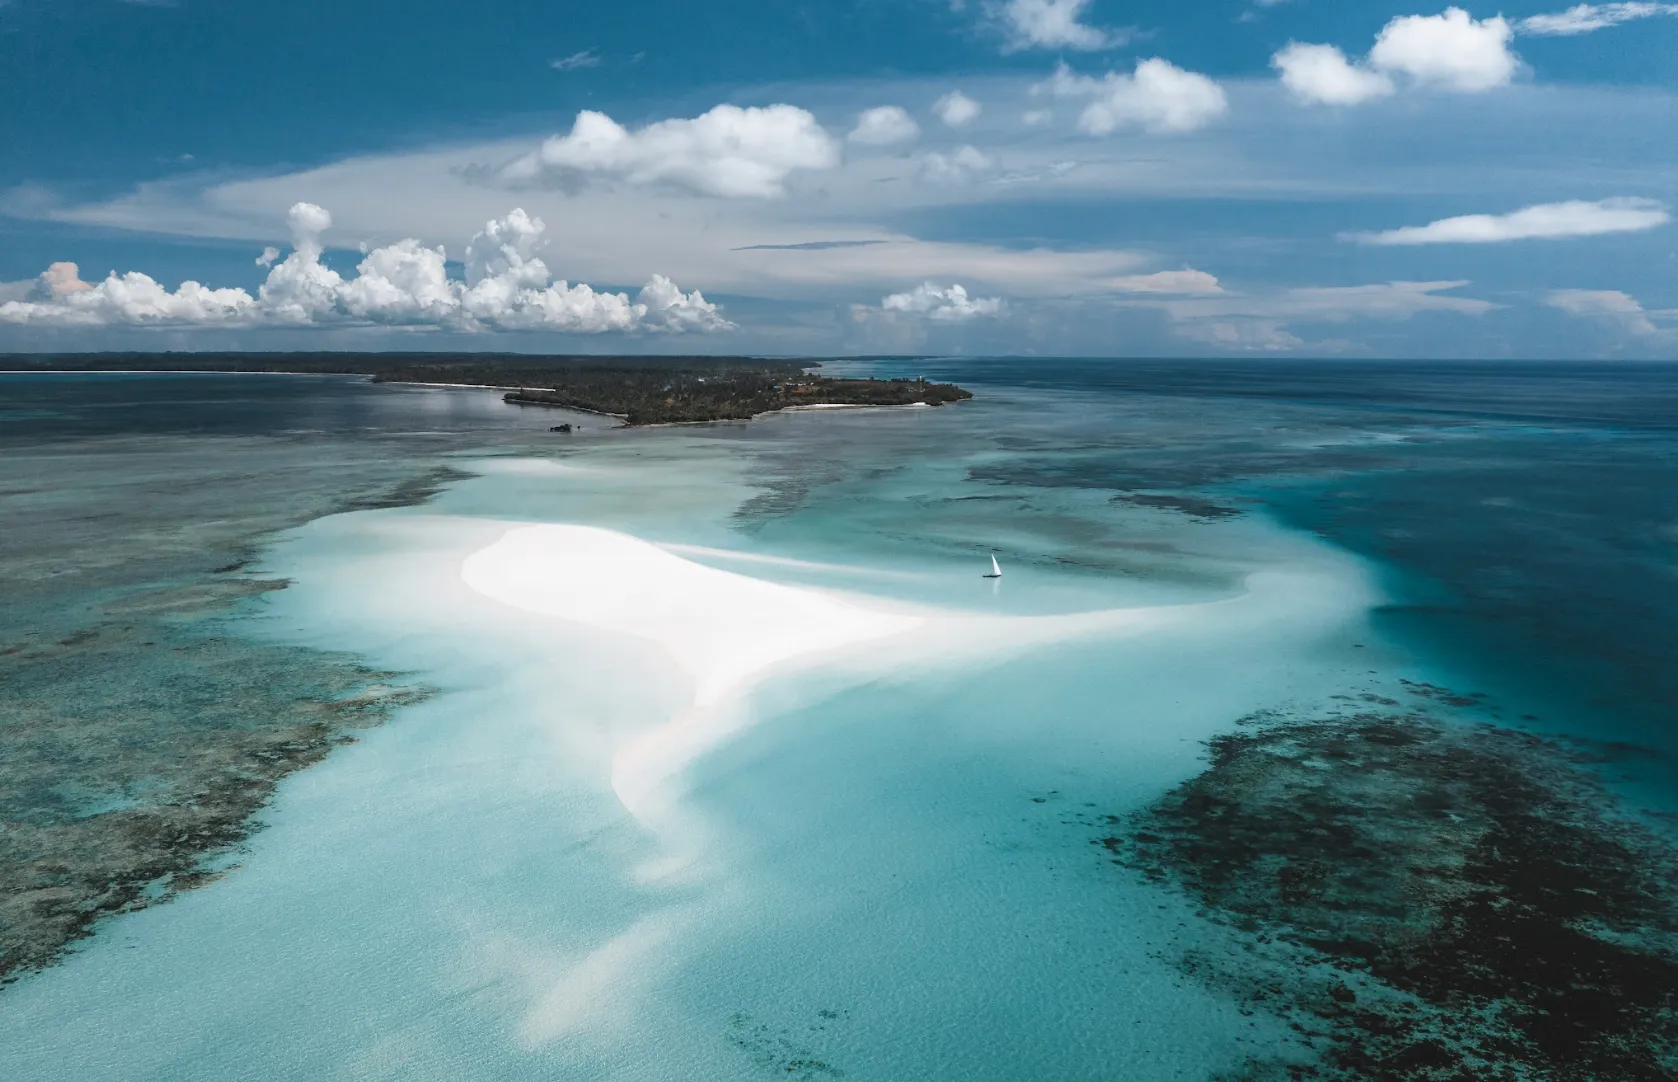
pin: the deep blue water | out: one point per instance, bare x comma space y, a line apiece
1526, 513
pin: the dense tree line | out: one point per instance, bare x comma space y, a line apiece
657, 396
643, 390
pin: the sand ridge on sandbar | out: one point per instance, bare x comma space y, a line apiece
727, 631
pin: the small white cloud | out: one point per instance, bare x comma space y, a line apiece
942, 304
1584, 18
587, 58
1036, 118
730, 151
307, 222
1053, 24
956, 109
1158, 97
1321, 75
884, 125
1574, 218
405, 284
268, 256
957, 167
1610, 306
1450, 51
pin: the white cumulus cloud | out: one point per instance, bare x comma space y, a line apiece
62, 299
405, 284
1584, 18
1574, 218
729, 151
943, 304
884, 125
268, 256
1321, 74
956, 109
1053, 24
1450, 51
1157, 97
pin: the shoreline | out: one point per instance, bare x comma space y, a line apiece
819, 407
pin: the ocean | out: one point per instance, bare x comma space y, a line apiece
708, 752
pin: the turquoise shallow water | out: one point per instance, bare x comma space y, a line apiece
877, 875
885, 871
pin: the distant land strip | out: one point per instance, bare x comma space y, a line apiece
641, 390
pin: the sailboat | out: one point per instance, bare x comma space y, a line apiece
995, 569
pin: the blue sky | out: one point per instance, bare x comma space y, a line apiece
991, 176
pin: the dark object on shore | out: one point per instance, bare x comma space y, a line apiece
1424, 902
560, 428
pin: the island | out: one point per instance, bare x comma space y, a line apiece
653, 397
639, 390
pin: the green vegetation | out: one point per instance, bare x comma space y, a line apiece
662, 396
642, 390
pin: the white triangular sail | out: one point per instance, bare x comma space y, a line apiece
995, 568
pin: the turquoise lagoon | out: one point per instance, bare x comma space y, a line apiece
874, 860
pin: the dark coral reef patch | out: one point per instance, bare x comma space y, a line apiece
134, 752
1424, 902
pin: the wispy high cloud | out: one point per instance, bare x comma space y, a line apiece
1157, 97
507, 288
1335, 304
1584, 18
1451, 51
587, 58
1261, 322
1053, 24
1574, 218
956, 167
1185, 282
1610, 306
728, 151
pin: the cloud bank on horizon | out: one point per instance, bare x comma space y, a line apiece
507, 287
1054, 176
